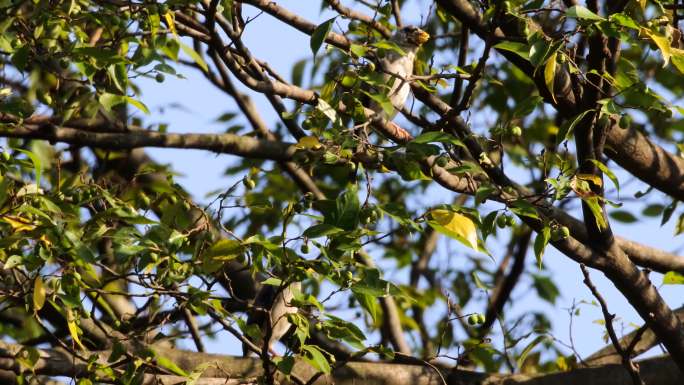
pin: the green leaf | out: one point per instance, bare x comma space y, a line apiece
37, 165
524, 208
284, 364
194, 55
624, 20
171, 366
321, 230
540, 243
20, 57
369, 303
623, 216
526, 351
109, 101
382, 99
371, 284
582, 13
319, 34
314, 357
390, 46
345, 214
520, 49
597, 211
527, 106
437, 137
568, 126
546, 289
667, 212
677, 58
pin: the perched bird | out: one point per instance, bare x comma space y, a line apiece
271, 307
398, 68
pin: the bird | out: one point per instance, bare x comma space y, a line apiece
398, 68
272, 305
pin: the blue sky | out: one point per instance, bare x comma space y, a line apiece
282, 46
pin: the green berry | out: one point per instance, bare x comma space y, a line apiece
472, 319
318, 326
442, 161
159, 77
560, 233
304, 248
480, 319
6, 156
249, 183
501, 221
516, 131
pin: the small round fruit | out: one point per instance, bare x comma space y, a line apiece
480, 319
159, 77
304, 248
516, 131
501, 221
472, 319
442, 161
6, 156
248, 183
318, 326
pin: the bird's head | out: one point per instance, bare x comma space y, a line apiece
410, 37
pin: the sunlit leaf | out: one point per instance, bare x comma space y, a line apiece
550, 74
582, 13
673, 278
38, 293
454, 225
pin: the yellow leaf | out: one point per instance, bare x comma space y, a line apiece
662, 42
550, 74
170, 21
456, 225
43, 238
19, 224
595, 179
309, 143
38, 294
74, 329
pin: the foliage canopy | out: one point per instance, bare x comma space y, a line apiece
529, 119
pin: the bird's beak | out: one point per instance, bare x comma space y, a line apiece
420, 37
